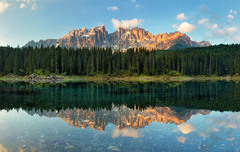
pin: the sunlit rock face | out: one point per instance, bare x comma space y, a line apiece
121, 39
122, 117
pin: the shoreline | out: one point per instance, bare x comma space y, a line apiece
103, 78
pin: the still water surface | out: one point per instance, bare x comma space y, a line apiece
191, 116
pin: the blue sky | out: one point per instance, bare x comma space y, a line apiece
216, 21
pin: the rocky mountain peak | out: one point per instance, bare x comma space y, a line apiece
122, 39
99, 28
122, 29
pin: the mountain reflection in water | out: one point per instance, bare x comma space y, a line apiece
122, 117
191, 116
120, 129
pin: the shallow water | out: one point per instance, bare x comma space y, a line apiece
192, 116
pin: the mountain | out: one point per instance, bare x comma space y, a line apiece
121, 39
122, 117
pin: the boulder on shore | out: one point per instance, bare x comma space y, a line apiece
32, 76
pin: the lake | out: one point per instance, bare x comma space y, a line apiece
190, 116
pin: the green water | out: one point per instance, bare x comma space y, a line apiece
191, 116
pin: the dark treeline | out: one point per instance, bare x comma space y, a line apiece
214, 60
221, 96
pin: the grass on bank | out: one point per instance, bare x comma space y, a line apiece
127, 78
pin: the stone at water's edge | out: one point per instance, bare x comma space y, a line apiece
49, 78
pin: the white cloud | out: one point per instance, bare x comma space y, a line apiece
206, 23
27, 1
126, 132
181, 17
22, 5
204, 8
184, 27
133, 1
113, 8
4, 6
227, 31
203, 21
181, 139
175, 26
231, 139
34, 6
127, 23
186, 128
214, 26
230, 34
233, 12
218, 124
230, 17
